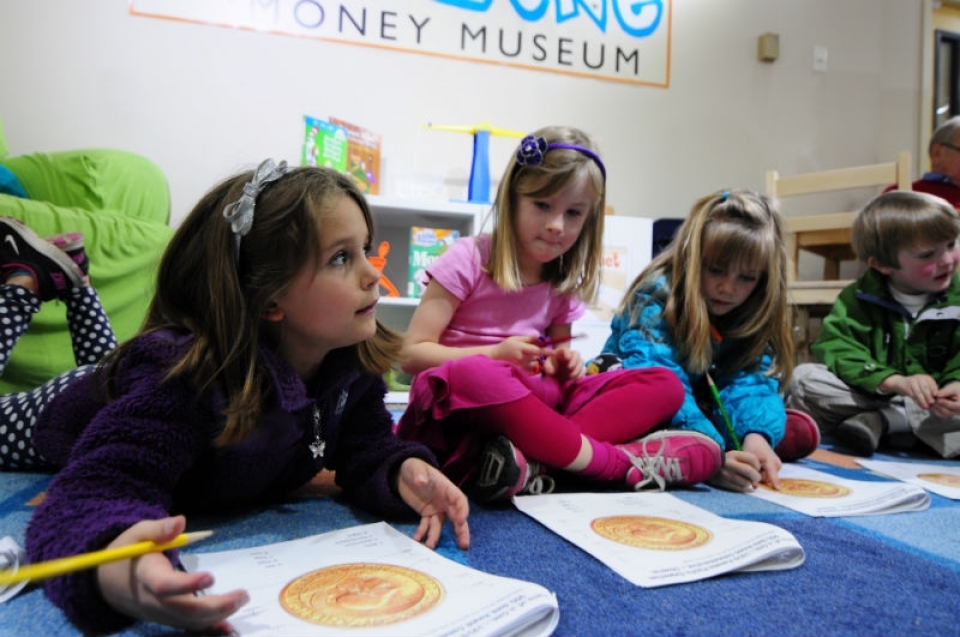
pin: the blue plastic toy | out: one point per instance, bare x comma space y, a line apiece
478, 189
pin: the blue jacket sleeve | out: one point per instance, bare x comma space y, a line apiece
753, 400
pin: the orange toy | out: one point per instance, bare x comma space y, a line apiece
380, 262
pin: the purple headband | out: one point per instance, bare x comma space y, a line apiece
532, 150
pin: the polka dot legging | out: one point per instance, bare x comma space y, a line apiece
91, 336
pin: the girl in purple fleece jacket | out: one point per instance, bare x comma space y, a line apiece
260, 363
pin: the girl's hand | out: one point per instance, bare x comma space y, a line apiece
770, 462
151, 589
564, 364
522, 351
740, 472
434, 497
744, 470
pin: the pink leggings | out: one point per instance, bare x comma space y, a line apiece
626, 408
456, 407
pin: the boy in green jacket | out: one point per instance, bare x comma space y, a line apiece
889, 349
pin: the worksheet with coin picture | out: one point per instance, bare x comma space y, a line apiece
935, 477
821, 494
656, 539
372, 580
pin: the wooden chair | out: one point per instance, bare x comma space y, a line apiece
826, 235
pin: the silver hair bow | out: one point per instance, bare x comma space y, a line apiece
239, 214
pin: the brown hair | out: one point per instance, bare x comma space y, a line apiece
726, 228
206, 287
577, 271
899, 220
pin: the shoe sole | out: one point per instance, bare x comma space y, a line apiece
46, 249
489, 487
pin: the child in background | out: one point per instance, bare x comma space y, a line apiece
713, 307
491, 396
889, 350
34, 271
259, 363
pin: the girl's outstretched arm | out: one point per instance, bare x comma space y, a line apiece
422, 349
435, 498
151, 589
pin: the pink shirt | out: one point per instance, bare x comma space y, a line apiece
487, 314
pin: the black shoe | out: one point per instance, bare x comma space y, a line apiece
504, 473
862, 432
52, 268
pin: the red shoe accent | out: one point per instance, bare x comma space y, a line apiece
801, 438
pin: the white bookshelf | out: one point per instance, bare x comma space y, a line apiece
393, 217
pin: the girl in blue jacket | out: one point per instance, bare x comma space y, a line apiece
712, 307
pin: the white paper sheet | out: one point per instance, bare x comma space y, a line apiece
372, 580
656, 539
11, 557
941, 479
820, 494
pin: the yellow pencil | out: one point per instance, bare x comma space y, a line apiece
43, 570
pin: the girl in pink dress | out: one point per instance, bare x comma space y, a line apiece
498, 393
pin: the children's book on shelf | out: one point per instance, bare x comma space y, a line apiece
363, 156
657, 539
426, 245
821, 494
372, 580
324, 144
940, 478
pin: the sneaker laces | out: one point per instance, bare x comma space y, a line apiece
656, 469
538, 483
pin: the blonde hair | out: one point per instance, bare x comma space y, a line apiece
737, 228
577, 271
900, 220
204, 286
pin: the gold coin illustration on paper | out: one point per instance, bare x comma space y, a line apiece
946, 479
648, 532
357, 595
803, 488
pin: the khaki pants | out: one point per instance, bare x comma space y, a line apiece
830, 401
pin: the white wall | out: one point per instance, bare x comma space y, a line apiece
204, 101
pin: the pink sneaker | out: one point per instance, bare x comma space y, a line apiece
801, 438
72, 244
21, 249
505, 472
672, 457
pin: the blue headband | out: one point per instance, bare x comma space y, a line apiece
532, 150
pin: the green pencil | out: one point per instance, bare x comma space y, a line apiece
723, 412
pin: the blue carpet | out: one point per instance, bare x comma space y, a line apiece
865, 576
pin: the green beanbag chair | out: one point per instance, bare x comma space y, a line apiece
120, 201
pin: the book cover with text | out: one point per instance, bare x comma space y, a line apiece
363, 156
426, 245
324, 144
